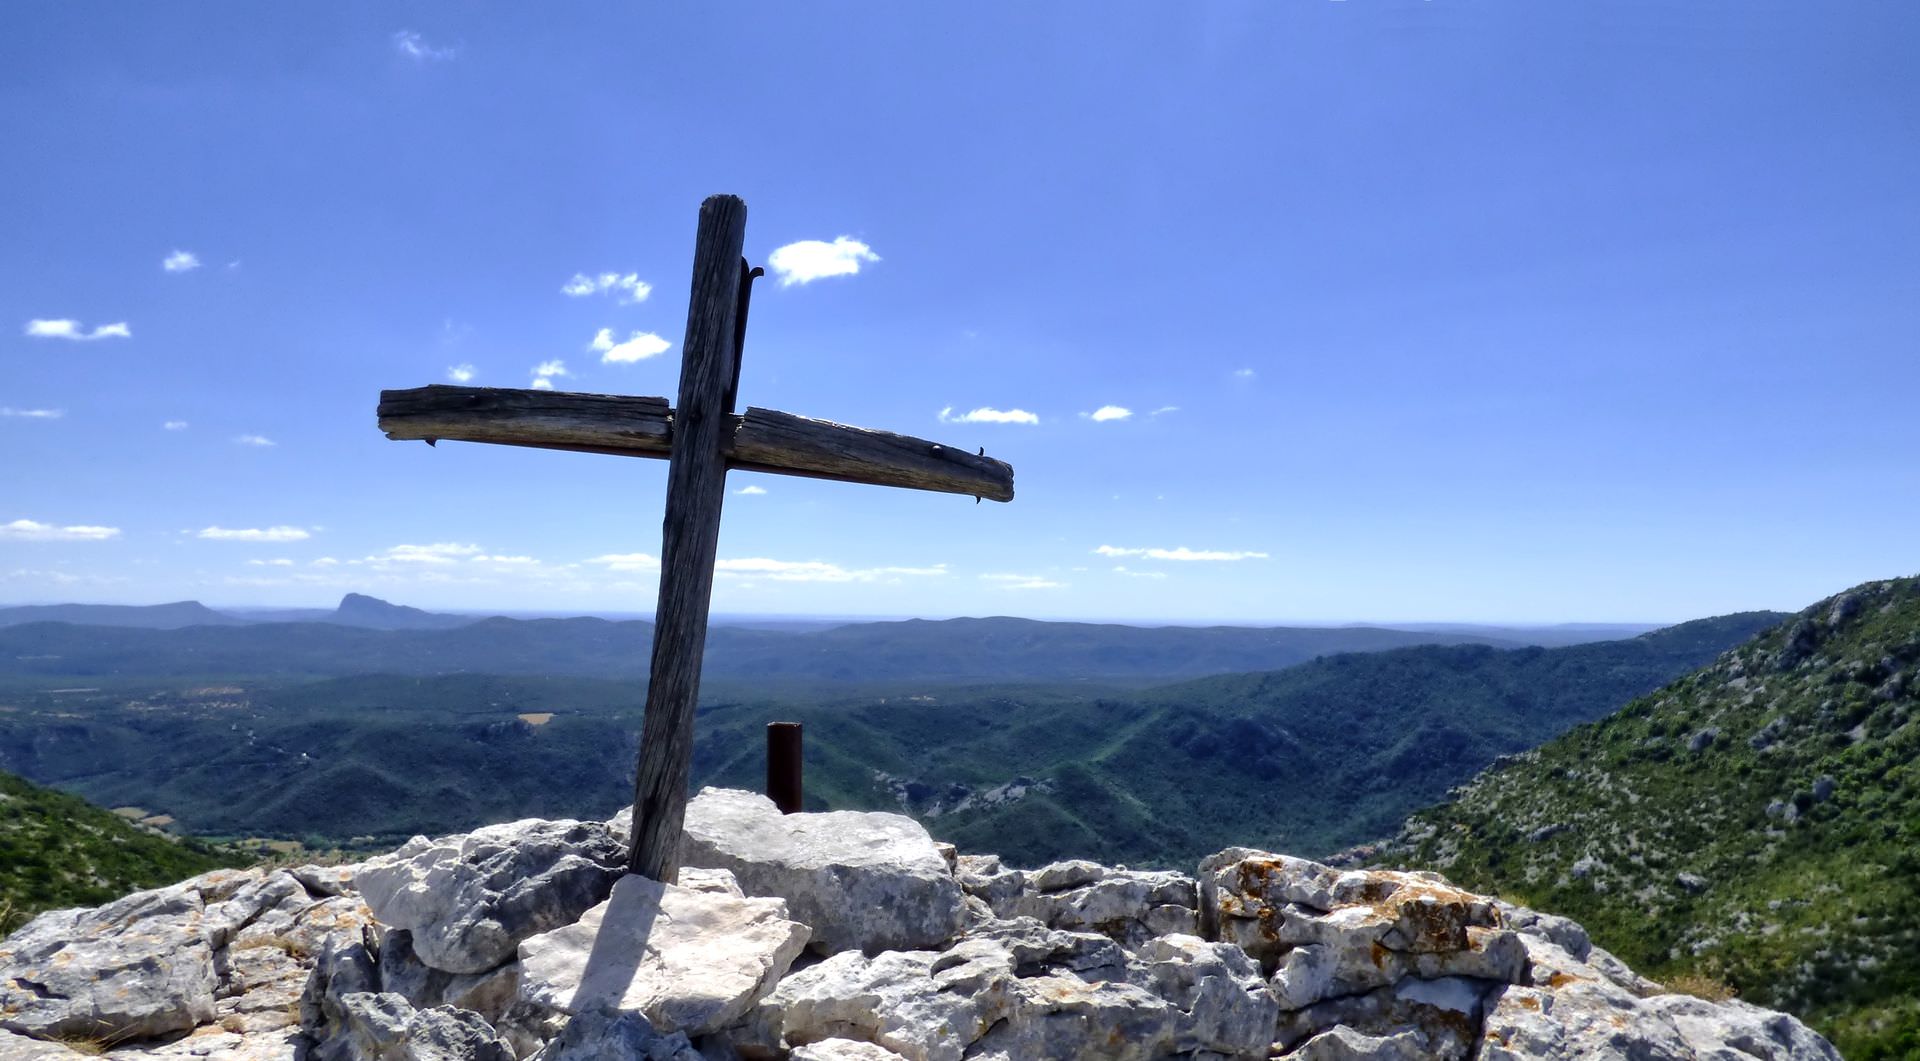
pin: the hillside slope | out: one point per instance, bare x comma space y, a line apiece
58, 850
1756, 822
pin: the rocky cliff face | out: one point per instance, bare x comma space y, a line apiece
840, 936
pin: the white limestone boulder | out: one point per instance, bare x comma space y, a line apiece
138, 967
1129, 906
862, 881
470, 899
691, 961
599, 1036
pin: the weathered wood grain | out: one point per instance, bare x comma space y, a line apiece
758, 440
690, 536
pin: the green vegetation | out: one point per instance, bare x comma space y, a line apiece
1756, 823
1308, 759
58, 850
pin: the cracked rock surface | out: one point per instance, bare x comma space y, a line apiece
834, 937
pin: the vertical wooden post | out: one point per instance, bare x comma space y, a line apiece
783, 766
696, 486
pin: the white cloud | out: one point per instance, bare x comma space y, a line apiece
988, 415
548, 369
180, 261
751, 491
1023, 582
1108, 412
543, 384
816, 570
254, 534
1165, 409
326, 561
460, 373
27, 530
811, 259
1122, 570
436, 553
1181, 553
175, 425
33, 414
70, 329
630, 287
638, 346
278, 561
260, 441
629, 563
415, 47
1243, 373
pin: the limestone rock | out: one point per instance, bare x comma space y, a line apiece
470, 899
1129, 906
599, 1036
864, 881
1222, 1003
843, 1050
402, 972
134, 968
691, 961
384, 1027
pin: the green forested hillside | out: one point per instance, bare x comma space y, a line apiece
1307, 759
59, 850
1756, 822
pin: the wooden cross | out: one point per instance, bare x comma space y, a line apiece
702, 438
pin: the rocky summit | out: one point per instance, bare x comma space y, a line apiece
833, 937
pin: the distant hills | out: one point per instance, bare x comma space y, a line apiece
1307, 759
1756, 822
355, 610
368, 635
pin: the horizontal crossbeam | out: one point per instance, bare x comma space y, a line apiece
760, 440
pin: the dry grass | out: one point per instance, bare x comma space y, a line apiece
1700, 985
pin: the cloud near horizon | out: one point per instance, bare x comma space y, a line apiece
462, 373
254, 534
1008, 581
808, 260
1181, 553
986, 414
70, 329
27, 530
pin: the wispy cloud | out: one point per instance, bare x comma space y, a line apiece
818, 571
638, 346
435, 553
415, 47
1108, 412
278, 561
71, 329
32, 414
628, 563
180, 262
1005, 581
1164, 410
175, 425
811, 259
1120, 569
751, 491
545, 372
988, 415
27, 530
460, 373
254, 534
1243, 373
1181, 553
628, 286
257, 441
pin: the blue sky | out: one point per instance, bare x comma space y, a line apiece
1444, 310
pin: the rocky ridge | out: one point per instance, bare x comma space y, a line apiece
833, 937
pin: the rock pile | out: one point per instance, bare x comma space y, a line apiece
833, 937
